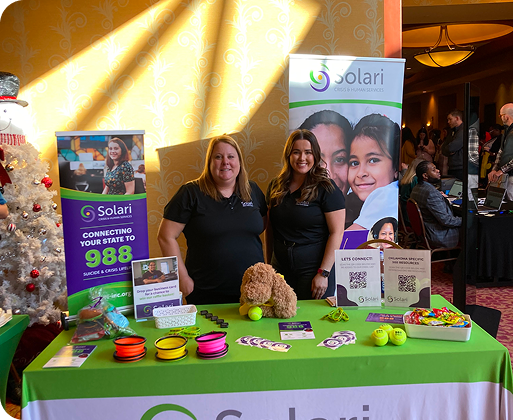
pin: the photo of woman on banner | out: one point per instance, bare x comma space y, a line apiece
306, 215
334, 134
373, 169
119, 175
221, 215
385, 228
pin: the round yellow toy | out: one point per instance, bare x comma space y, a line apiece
379, 337
255, 313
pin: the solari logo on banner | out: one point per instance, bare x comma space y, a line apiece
228, 414
356, 76
88, 214
321, 79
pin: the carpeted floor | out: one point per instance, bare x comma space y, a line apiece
441, 284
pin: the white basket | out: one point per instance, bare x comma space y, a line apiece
438, 333
175, 316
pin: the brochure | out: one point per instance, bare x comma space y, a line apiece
70, 356
408, 278
385, 318
296, 330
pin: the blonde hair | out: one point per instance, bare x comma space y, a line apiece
81, 170
410, 172
206, 181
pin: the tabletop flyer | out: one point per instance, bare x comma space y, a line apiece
408, 278
296, 330
70, 356
156, 285
358, 277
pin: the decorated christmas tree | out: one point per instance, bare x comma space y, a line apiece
32, 268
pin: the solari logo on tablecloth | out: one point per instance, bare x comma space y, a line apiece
226, 414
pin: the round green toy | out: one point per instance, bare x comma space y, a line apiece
255, 313
398, 336
379, 337
386, 327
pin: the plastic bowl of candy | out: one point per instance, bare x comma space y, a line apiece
419, 324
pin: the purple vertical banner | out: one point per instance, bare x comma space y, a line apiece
104, 213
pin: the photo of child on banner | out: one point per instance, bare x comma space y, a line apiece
353, 107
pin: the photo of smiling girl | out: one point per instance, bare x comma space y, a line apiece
373, 170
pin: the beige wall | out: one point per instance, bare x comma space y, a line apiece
182, 71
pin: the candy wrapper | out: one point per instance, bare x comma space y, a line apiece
436, 317
100, 319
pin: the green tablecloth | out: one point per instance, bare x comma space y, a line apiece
419, 380
10, 335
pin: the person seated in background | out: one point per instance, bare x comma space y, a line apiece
406, 185
408, 146
386, 229
442, 227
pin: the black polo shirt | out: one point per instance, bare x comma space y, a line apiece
304, 222
222, 240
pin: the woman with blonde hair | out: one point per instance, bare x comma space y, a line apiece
221, 215
306, 214
406, 184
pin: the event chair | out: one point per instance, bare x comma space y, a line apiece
417, 224
406, 233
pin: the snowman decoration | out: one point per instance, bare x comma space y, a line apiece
13, 115
32, 269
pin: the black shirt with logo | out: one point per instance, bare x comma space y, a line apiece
304, 223
223, 240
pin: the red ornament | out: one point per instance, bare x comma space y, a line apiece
47, 181
30, 287
34, 274
57, 224
36, 208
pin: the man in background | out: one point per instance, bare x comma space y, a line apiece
453, 144
442, 227
504, 160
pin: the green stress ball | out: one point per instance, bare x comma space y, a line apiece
379, 337
398, 336
255, 313
386, 327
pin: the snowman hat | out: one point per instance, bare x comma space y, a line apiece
9, 88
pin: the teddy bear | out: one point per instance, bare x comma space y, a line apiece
262, 286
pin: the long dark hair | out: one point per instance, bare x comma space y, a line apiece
424, 142
384, 131
330, 117
125, 156
316, 176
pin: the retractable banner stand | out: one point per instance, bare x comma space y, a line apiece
353, 106
103, 196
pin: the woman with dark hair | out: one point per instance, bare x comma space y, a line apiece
306, 211
426, 146
334, 134
373, 169
119, 177
409, 146
222, 215
385, 228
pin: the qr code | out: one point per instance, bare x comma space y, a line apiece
407, 283
358, 280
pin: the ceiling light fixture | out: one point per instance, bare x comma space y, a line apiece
445, 52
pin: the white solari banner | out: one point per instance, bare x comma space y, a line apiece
353, 106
